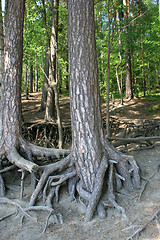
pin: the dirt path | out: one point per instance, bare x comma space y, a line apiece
131, 110
139, 212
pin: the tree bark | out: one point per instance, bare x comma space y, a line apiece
108, 73
45, 81
11, 86
91, 152
50, 108
120, 56
84, 92
1, 63
129, 92
31, 79
36, 77
26, 82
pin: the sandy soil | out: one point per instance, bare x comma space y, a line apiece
139, 211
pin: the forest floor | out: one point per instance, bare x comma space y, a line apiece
140, 206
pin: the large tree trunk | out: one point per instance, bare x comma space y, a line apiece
84, 92
1, 63
91, 153
90, 150
11, 87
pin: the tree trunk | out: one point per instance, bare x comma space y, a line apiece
13, 146
36, 77
120, 56
1, 63
108, 73
26, 82
91, 153
50, 109
31, 79
45, 82
11, 87
87, 134
129, 92
50, 105
90, 150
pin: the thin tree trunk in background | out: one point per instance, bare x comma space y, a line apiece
45, 82
108, 75
149, 86
46, 67
129, 92
26, 82
143, 71
36, 77
31, 79
50, 114
52, 94
120, 56
118, 81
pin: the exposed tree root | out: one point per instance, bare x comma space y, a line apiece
111, 196
120, 171
8, 201
96, 194
57, 216
58, 166
6, 216
7, 169
15, 158
140, 228
2, 187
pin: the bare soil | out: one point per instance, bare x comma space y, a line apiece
139, 210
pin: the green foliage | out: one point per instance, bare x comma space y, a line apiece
36, 38
143, 41
143, 32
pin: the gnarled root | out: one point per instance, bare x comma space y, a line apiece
111, 196
122, 172
48, 170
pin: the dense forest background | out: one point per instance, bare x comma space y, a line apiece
123, 29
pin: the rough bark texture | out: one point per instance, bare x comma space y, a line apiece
1, 63
11, 87
84, 92
91, 152
50, 105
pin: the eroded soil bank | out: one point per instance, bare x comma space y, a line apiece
140, 206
